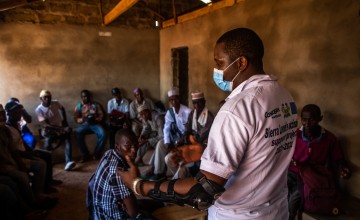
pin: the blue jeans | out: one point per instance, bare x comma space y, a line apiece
68, 150
88, 129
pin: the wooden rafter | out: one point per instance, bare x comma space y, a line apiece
200, 12
120, 8
12, 4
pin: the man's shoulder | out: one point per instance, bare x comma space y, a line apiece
39, 108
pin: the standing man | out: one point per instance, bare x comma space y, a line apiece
118, 112
89, 115
243, 169
134, 114
198, 126
52, 117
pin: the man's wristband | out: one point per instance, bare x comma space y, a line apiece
142, 188
134, 185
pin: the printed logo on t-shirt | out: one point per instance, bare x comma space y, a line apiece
282, 135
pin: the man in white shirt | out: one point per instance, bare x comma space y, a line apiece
175, 120
52, 117
118, 112
243, 172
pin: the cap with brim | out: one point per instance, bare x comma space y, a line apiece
142, 108
173, 91
45, 93
12, 105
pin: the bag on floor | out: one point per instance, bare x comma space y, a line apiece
320, 193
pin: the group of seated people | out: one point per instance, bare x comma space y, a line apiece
177, 136
167, 134
182, 128
25, 172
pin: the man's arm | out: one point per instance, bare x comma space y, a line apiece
99, 113
130, 204
77, 115
182, 187
64, 117
27, 117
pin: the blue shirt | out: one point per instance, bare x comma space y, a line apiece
109, 190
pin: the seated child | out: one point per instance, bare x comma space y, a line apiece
107, 196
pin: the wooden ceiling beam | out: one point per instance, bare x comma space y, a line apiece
200, 12
120, 8
12, 4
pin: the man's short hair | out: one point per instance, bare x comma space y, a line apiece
125, 132
87, 92
115, 91
313, 109
243, 42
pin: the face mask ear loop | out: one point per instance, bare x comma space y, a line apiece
236, 76
231, 64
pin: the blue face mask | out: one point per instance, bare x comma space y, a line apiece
218, 77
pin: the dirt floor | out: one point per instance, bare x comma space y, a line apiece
72, 192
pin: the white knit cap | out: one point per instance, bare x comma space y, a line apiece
173, 91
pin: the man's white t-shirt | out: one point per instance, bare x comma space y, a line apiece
250, 145
52, 113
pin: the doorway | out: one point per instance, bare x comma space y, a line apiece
180, 62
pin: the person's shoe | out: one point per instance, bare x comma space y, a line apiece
157, 177
69, 165
84, 159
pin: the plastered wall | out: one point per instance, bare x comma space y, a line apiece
66, 59
313, 47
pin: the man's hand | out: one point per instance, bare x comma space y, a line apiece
130, 175
176, 155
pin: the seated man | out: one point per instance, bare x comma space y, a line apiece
198, 125
118, 112
52, 117
134, 114
107, 196
314, 146
175, 119
13, 165
14, 112
152, 131
89, 115
27, 136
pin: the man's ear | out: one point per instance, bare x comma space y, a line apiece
242, 63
